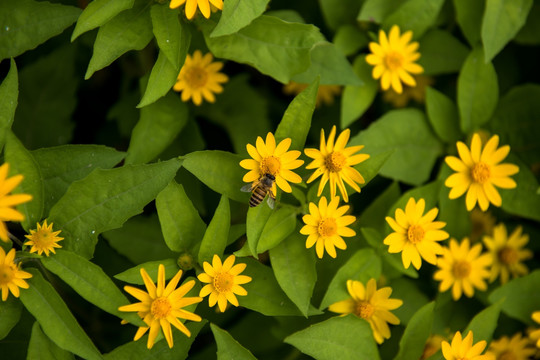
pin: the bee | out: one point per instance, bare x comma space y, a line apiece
259, 189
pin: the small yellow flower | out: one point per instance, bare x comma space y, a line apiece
271, 159
223, 282
191, 6
11, 277
7, 202
43, 240
394, 59
479, 171
535, 334
482, 223
463, 349
416, 93
161, 306
507, 253
433, 344
371, 305
325, 225
463, 268
415, 234
335, 161
325, 94
200, 78
516, 348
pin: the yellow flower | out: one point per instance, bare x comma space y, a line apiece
433, 344
516, 348
43, 240
507, 253
161, 306
415, 234
416, 93
334, 162
223, 282
535, 334
191, 6
7, 202
325, 225
271, 159
11, 277
200, 78
463, 268
325, 94
394, 58
371, 305
482, 223
479, 171
463, 349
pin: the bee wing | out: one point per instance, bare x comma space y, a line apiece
271, 201
248, 187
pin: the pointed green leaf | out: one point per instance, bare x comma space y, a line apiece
170, 35
257, 218
161, 80
9, 92
524, 200
413, 341
377, 10
57, 322
443, 116
339, 12
279, 226
349, 39
441, 53
371, 167
10, 313
217, 233
97, 13
530, 32
413, 297
133, 275
238, 14
484, 323
469, 17
425, 15
228, 348
42, 348
105, 199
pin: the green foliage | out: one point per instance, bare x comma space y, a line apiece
469, 17
443, 116
97, 13
441, 53
133, 275
9, 91
215, 237
10, 313
425, 15
484, 323
237, 15
228, 348
41, 347
414, 338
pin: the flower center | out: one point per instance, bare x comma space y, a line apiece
393, 60
7, 273
328, 227
43, 239
480, 172
160, 307
461, 269
335, 161
196, 77
223, 282
507, 355
415, 234
508, 255
364, 309
270, 165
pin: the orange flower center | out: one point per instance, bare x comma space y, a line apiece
223, 282
461, 269
161, 307
364, 309
480, 172
196, 77
328, 227
270, 165
335, 161
508, 255
7, 273
415, 234
507, 355
393, 60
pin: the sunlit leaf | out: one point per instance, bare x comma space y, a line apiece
414, 338
10, 313
133, 275
228, 348
41, 347
9, 92
425, 15
469, 17
443, 115
484, 323
279, 226
215, 237
238, 14
97, 13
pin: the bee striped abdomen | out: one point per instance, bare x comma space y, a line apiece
257, 196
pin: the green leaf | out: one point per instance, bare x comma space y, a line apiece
172, 38
133, 275
277, 228
257, 218
41, 347
22, 162
339, 12
362, 266
349, 336
215, 238
219, 170
469, 17
9, 92
411, 345
441, 53
105, 199
159, 125
357, 99
280, 53
296, 120
443, 115
228, 348
530, 33
294, 267
57, 322
413, 297
478, 91
502, 21
10, 313
238, 14
97, 13
425, 15
377, 10
428, 192
371, 167
484, 323
349, 39
452, 212
129, 30
520, 297
18, 34
181, 224
161, 80
407, 132
62, 165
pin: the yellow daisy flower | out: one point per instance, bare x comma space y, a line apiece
516, 348
482, 223
7, 202
275, 160
161, 306
535, 334
433, 344
371, 305
325, 225
394, 59
462, 349
223, 282
325, 94
507, 253
416, 93
335, 163
463, 268
415, 235
11, 277
43, 240
200, 78
191, 6
479, 171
